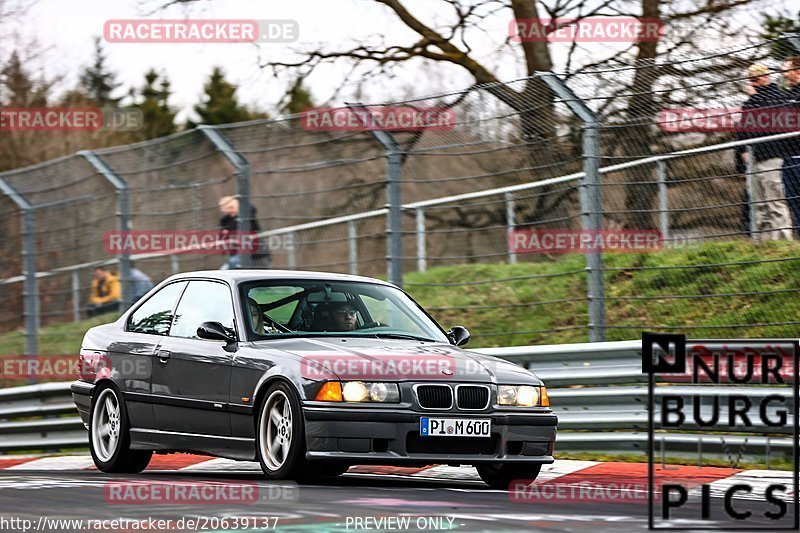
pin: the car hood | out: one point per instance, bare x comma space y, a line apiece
396, 360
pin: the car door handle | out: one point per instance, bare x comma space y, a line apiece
163, 355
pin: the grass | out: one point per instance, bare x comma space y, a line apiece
682, 290
545, 302
59, 339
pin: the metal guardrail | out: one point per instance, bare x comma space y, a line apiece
40, 417
595, 388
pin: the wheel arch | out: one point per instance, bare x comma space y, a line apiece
261, 394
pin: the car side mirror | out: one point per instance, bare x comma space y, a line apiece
215, 331
458, 336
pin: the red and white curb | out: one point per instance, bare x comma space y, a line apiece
566, 471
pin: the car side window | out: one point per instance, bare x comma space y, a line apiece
155, 315
202, 301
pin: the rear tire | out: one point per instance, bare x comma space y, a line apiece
280, 435
109, 435
500, 476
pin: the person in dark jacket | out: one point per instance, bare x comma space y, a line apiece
773, 220
230, 223
790, 171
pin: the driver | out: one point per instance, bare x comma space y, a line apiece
256, 317
343, 317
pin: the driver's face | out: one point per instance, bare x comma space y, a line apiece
345, 319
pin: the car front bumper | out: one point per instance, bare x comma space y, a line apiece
391, 436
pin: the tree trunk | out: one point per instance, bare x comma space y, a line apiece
637, 139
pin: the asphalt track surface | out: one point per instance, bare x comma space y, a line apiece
380, 501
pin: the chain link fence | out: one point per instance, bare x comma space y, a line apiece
438, 208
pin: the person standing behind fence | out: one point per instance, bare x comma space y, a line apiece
106, 293
791, 161
773, 220
140, 282
231, 222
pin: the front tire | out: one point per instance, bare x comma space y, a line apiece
109, 435
500, 476
280, 434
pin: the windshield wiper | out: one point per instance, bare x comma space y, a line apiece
401, 336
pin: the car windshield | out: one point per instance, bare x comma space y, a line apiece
334, 308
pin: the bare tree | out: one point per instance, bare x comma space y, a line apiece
450, 41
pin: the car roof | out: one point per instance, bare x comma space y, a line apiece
244, 275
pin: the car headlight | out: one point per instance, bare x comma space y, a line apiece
522, 396
359, 391
354, 391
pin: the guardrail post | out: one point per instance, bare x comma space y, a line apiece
30, 293
242, 168
663, 205
511, 224
352, 247
751, 188
422, 251
394, 202
700, 452
591, 206
123, 221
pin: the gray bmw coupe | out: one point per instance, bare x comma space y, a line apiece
307, 373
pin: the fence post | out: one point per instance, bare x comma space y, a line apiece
352, 247
76, 296
511, 224
663, 204
751, 187
30, 292
793, 38
292, 255
242, 168
394, 220
123, 221
422, 250
591, 206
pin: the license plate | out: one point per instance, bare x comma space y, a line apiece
455, 427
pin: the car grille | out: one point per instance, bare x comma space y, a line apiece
435, 396
472, 397
451, 445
